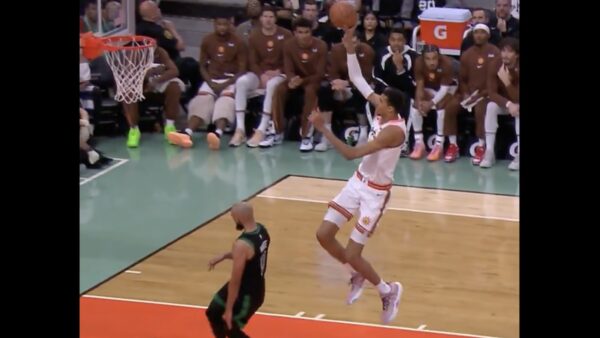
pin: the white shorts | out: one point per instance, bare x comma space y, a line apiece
162, 86
205, 89
365, 197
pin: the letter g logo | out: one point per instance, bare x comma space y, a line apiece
440, 32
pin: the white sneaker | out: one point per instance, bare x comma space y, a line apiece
238, 138
306, 145
323, 145
255, 140
357, 282
271, 140
488, 159
390, 302
278, 139
514, 165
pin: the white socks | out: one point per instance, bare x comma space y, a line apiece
383, 288
240, 120
264, 122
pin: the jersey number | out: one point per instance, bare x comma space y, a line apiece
263, 257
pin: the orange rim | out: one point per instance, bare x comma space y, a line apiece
93, 46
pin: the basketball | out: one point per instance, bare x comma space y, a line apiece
90, 45
343, 15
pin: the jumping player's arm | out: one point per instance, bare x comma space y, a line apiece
354, 72
171, 70
240, 253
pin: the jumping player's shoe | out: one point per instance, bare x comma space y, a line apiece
357, 282
390, 302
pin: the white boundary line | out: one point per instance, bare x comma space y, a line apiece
102, 172
133, 272
398, 209
288, 316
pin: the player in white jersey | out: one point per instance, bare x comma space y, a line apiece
368, 190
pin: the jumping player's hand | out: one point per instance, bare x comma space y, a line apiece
348, 40
227, 318
317, 120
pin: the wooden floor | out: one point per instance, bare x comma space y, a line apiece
456, 253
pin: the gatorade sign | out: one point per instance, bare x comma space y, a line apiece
444, 27
440, 32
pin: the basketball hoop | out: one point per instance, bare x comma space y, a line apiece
129, 58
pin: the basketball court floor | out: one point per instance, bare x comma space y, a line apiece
150, 222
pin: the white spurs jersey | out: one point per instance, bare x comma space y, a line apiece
379, 166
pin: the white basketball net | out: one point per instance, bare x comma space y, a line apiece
129, 66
